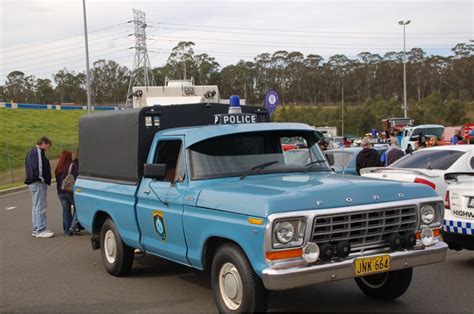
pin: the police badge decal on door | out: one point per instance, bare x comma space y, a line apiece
159, 224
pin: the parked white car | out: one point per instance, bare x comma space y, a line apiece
458, 224
432, 166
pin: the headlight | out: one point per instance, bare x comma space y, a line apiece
428, 214
284, 232
289, 233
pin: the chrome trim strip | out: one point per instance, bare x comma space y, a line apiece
311, 214
283, 279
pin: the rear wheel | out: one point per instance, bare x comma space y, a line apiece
235, 285
116, 255
386, 286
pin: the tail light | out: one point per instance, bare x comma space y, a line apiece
446, 201
423, 181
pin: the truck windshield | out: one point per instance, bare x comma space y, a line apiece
237, 154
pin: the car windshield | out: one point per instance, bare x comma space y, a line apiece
428, 132
429, 159
341, 158
255, 153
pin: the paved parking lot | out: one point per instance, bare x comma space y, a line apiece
63, 274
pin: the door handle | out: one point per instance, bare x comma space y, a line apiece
146, 191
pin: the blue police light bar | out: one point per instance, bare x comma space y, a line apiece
234, 104
235, 115
234, 101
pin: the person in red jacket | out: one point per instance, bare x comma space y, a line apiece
64, 168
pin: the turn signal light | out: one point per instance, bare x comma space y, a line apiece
436, 233
423, 181
284, 254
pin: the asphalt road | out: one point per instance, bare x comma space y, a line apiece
63, 274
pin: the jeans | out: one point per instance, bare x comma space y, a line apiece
67, 201
75, 222
38, 212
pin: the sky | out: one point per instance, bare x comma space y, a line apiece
40, 37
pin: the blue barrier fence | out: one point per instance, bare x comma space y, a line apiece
9, 105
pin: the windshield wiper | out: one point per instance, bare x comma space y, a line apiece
310, 165
258, 167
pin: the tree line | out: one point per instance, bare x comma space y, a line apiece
299, 79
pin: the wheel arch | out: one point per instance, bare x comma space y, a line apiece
99, 218
210, 247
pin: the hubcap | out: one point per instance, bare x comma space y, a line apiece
375, 281
230, 286
110, 246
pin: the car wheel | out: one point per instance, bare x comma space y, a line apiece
386, 286
116, 255
235, 286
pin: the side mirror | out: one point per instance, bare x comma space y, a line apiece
154, 171
330, 159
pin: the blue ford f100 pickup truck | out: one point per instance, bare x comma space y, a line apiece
227, 198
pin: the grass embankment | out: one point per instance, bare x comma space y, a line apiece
19, 130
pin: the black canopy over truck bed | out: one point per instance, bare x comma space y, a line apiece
114, 145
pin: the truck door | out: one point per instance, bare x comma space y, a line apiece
160, 203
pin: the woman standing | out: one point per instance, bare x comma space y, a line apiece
63, 169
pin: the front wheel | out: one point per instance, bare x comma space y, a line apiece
386, 286
235, 286
116, 255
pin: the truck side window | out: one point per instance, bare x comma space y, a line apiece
168, 152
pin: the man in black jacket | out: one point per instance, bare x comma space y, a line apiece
367, 157
38, 177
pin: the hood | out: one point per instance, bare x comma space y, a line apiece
263, 195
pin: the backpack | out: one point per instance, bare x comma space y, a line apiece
68, 182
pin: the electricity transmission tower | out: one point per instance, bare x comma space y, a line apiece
141, 74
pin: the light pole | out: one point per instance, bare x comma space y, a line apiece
87, 59
405, 105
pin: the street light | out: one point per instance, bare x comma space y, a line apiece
87, 59
405, 105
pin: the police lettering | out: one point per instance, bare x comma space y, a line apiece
235, 118
461, 213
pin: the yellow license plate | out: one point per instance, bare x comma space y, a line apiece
370, 265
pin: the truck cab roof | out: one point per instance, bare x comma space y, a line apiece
198, 133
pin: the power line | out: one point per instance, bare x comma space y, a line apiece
298, 35
58, 53
274, 44
301, 31
69, 44
71, 62
57, 40
65, 58
70, 69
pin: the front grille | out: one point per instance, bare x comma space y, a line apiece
366, 229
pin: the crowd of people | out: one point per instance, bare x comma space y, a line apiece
369, 157
38, 178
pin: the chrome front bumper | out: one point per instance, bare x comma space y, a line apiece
283, 279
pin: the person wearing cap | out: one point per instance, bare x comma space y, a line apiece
346, 142
393, 153
367, 157
323, 144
